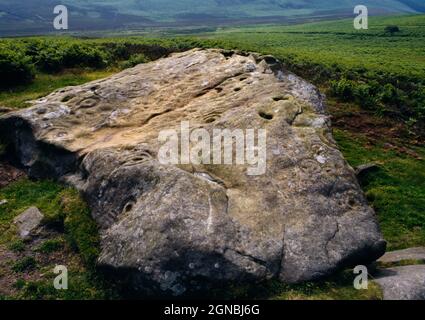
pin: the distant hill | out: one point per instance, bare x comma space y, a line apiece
36, 16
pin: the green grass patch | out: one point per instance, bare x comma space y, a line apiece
62, 207
81, 286
24, 194
397, 191
47, 83
65, 211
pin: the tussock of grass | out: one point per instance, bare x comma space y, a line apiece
51, 245
17, 246
25, 264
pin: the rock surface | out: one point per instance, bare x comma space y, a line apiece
174, 228
403, 283
28, 221
403, 255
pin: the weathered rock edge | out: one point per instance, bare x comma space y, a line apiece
173, 229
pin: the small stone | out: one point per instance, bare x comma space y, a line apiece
366, 168
321, 159
3, 202
28, 221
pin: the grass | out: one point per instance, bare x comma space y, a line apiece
64, 212
17, 245
337, 42
25, 264
61, 206
24, 194
51, 245
46, 83
81, 286
337, 287
397, 191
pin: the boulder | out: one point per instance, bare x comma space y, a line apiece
173, 228
28, 221
403, 283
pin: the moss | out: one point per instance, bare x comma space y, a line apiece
51, 245
25, 264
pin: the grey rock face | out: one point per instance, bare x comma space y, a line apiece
403, 255
403, 283
28, 221
173, 228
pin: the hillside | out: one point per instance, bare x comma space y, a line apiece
36, 17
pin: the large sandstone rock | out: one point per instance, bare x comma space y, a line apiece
174, 228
